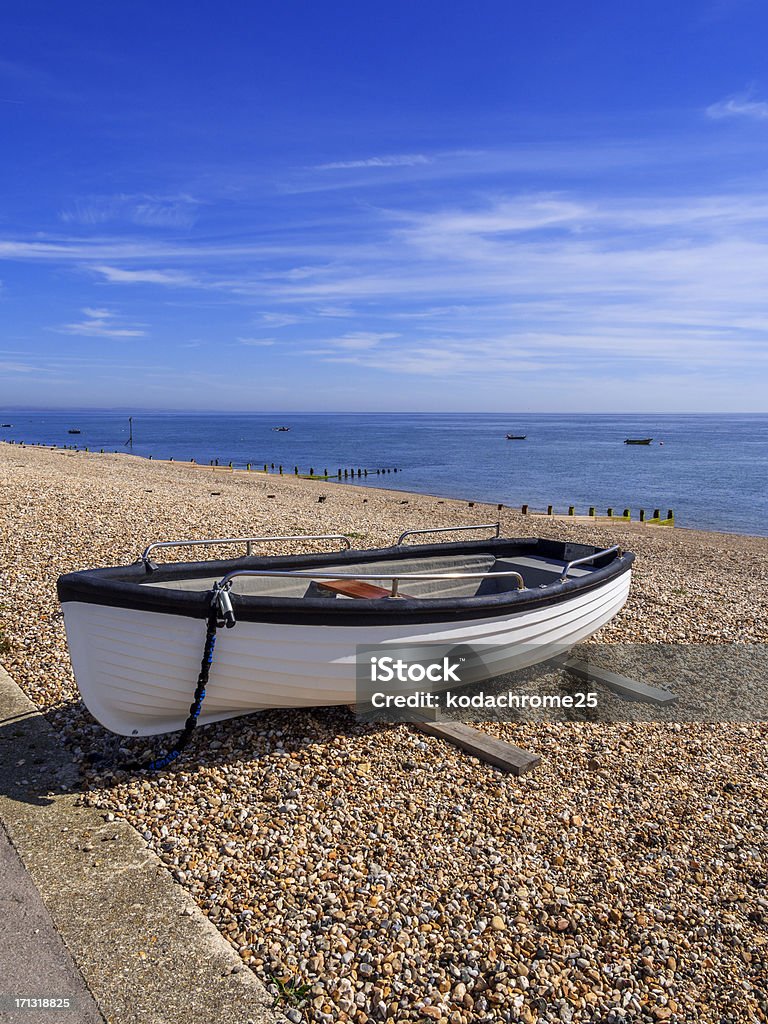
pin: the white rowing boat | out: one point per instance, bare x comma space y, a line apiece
136, 632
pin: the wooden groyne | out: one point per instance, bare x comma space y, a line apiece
592, 515
346, 473
310, 473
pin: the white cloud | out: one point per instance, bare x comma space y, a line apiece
738, 106
99, 323
98, 250
401, 160
118, 275
280, 319
8, 366
143, 209
497, 284
360, 340
521, 213
335, 312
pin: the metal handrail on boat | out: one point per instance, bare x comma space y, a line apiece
450, 529
615, 550
396, 578
248, 541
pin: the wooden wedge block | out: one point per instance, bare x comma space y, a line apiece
479, 744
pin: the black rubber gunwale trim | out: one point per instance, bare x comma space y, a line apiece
121, 586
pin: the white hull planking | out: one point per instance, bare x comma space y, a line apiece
137, 670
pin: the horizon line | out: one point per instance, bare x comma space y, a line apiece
134, 410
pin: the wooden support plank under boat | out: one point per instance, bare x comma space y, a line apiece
479, 744
623, 685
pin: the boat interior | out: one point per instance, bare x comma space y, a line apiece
537, 570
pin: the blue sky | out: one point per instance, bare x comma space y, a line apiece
404, 205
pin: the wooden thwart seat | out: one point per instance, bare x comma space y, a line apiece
356, 588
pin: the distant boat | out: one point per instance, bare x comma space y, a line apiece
7, 424
516, 437
73, 431
638, 440
281, 430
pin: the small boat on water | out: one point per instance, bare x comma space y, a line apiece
7, 424
281, 430
136, 632
73, 431
638, 440
516, 437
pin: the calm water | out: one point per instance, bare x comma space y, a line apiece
712, 470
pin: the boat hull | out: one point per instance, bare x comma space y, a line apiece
137, 669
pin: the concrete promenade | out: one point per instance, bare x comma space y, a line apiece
87, 913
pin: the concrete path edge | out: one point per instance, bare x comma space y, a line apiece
146, 952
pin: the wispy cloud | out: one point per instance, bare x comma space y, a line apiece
359, 340
100, 323
397, 160
739, 106
146, 210
100, 249
492, 286
8, 366
336, 312
119, 275
280, 319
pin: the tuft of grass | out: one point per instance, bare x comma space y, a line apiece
5, 645
293, 991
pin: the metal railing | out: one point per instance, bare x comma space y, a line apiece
226, 582
615, 550
248, 541
450, 529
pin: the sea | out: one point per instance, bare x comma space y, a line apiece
711, 470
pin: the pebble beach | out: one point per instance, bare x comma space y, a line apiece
372, 873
